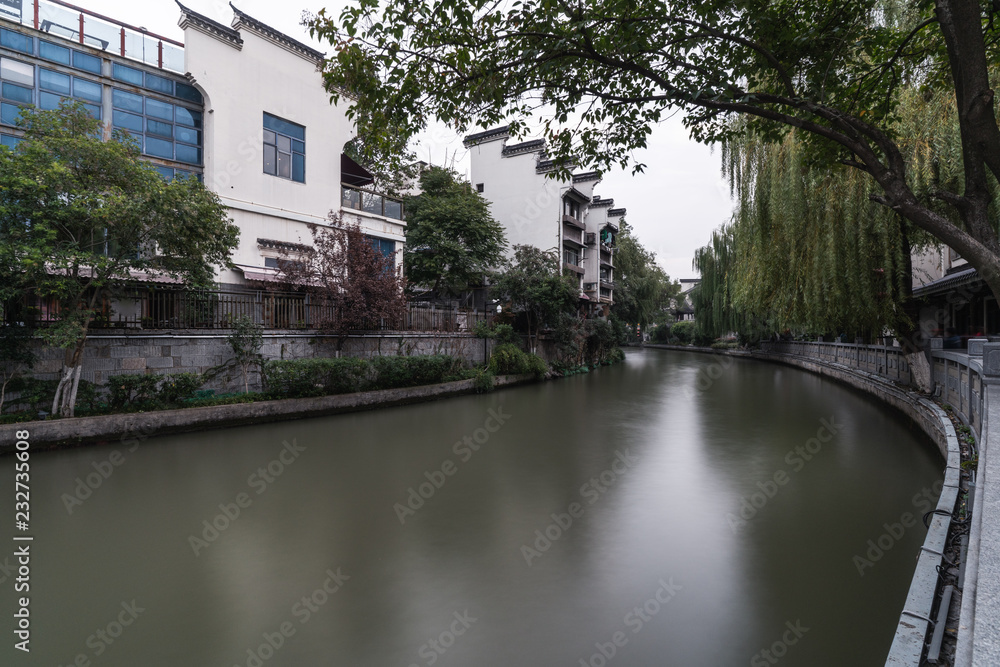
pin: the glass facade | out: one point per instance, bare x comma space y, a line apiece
162, 114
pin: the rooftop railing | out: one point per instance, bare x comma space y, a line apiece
107, 34
371, 202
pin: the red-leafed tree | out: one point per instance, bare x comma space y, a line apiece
352, 284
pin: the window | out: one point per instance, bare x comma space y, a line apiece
9, 113
17, 93
57, 54
189, 93
53, 81
87, 90
159, 84
17, 41
284, 149
571, 208
127, 121
127, 101
9, 141
571, 256
160, 110
87, 62
17, 72
127, 74
384, 246
480, 187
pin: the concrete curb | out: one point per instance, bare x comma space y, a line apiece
59, 433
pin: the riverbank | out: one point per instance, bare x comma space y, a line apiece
137, 426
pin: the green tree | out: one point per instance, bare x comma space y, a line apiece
451, 238
831, 68
532, 284
81, 217
246, 340
643, 290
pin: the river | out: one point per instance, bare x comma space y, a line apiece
675, 510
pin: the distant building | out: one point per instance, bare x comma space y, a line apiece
683, 307
536, 210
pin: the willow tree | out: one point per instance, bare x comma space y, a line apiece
615, 68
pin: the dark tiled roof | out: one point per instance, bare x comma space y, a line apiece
617, 211
212, 27
524, 147
544, 166
946, 283
597, 202
283, 245
282, 38
489, 135
587, 176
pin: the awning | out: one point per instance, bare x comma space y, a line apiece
353, 173
584, 297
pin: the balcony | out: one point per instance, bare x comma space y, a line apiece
573, 235
370, 202
607, 284
590, 287
91, 29
570, 220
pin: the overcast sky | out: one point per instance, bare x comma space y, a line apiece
673, 207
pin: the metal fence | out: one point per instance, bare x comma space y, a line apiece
168, 309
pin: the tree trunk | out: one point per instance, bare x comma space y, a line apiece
909, 333
64, 402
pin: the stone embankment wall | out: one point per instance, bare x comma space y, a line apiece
198, 352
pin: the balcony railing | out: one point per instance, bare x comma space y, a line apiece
107, 34
144, 309
370, 202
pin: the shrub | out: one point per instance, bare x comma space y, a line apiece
616, 356
400, 371
661, 334
508, 359
301, 378
484, 380
179, 387
501, 333
683, 331
702, 339
137, 392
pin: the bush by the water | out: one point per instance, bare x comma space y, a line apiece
683, 331
509, 359
302, 378
132, 393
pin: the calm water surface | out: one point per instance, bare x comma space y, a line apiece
603, 515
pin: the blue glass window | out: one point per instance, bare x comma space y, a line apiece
189, 93
127, 101
87, 90
17, 72
284, 149
159, 84
17, 93
188, 117
126, 120
166, 172
10, 141
187, 135
54, 81
189, 154
127, 74
87, 62
386, 247
17, 41
159, 148
57, 54
9, 113
49, 101
94, 110
285, 127
160, 110
159, 129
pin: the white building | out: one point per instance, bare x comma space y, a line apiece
242, 107
537, 210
